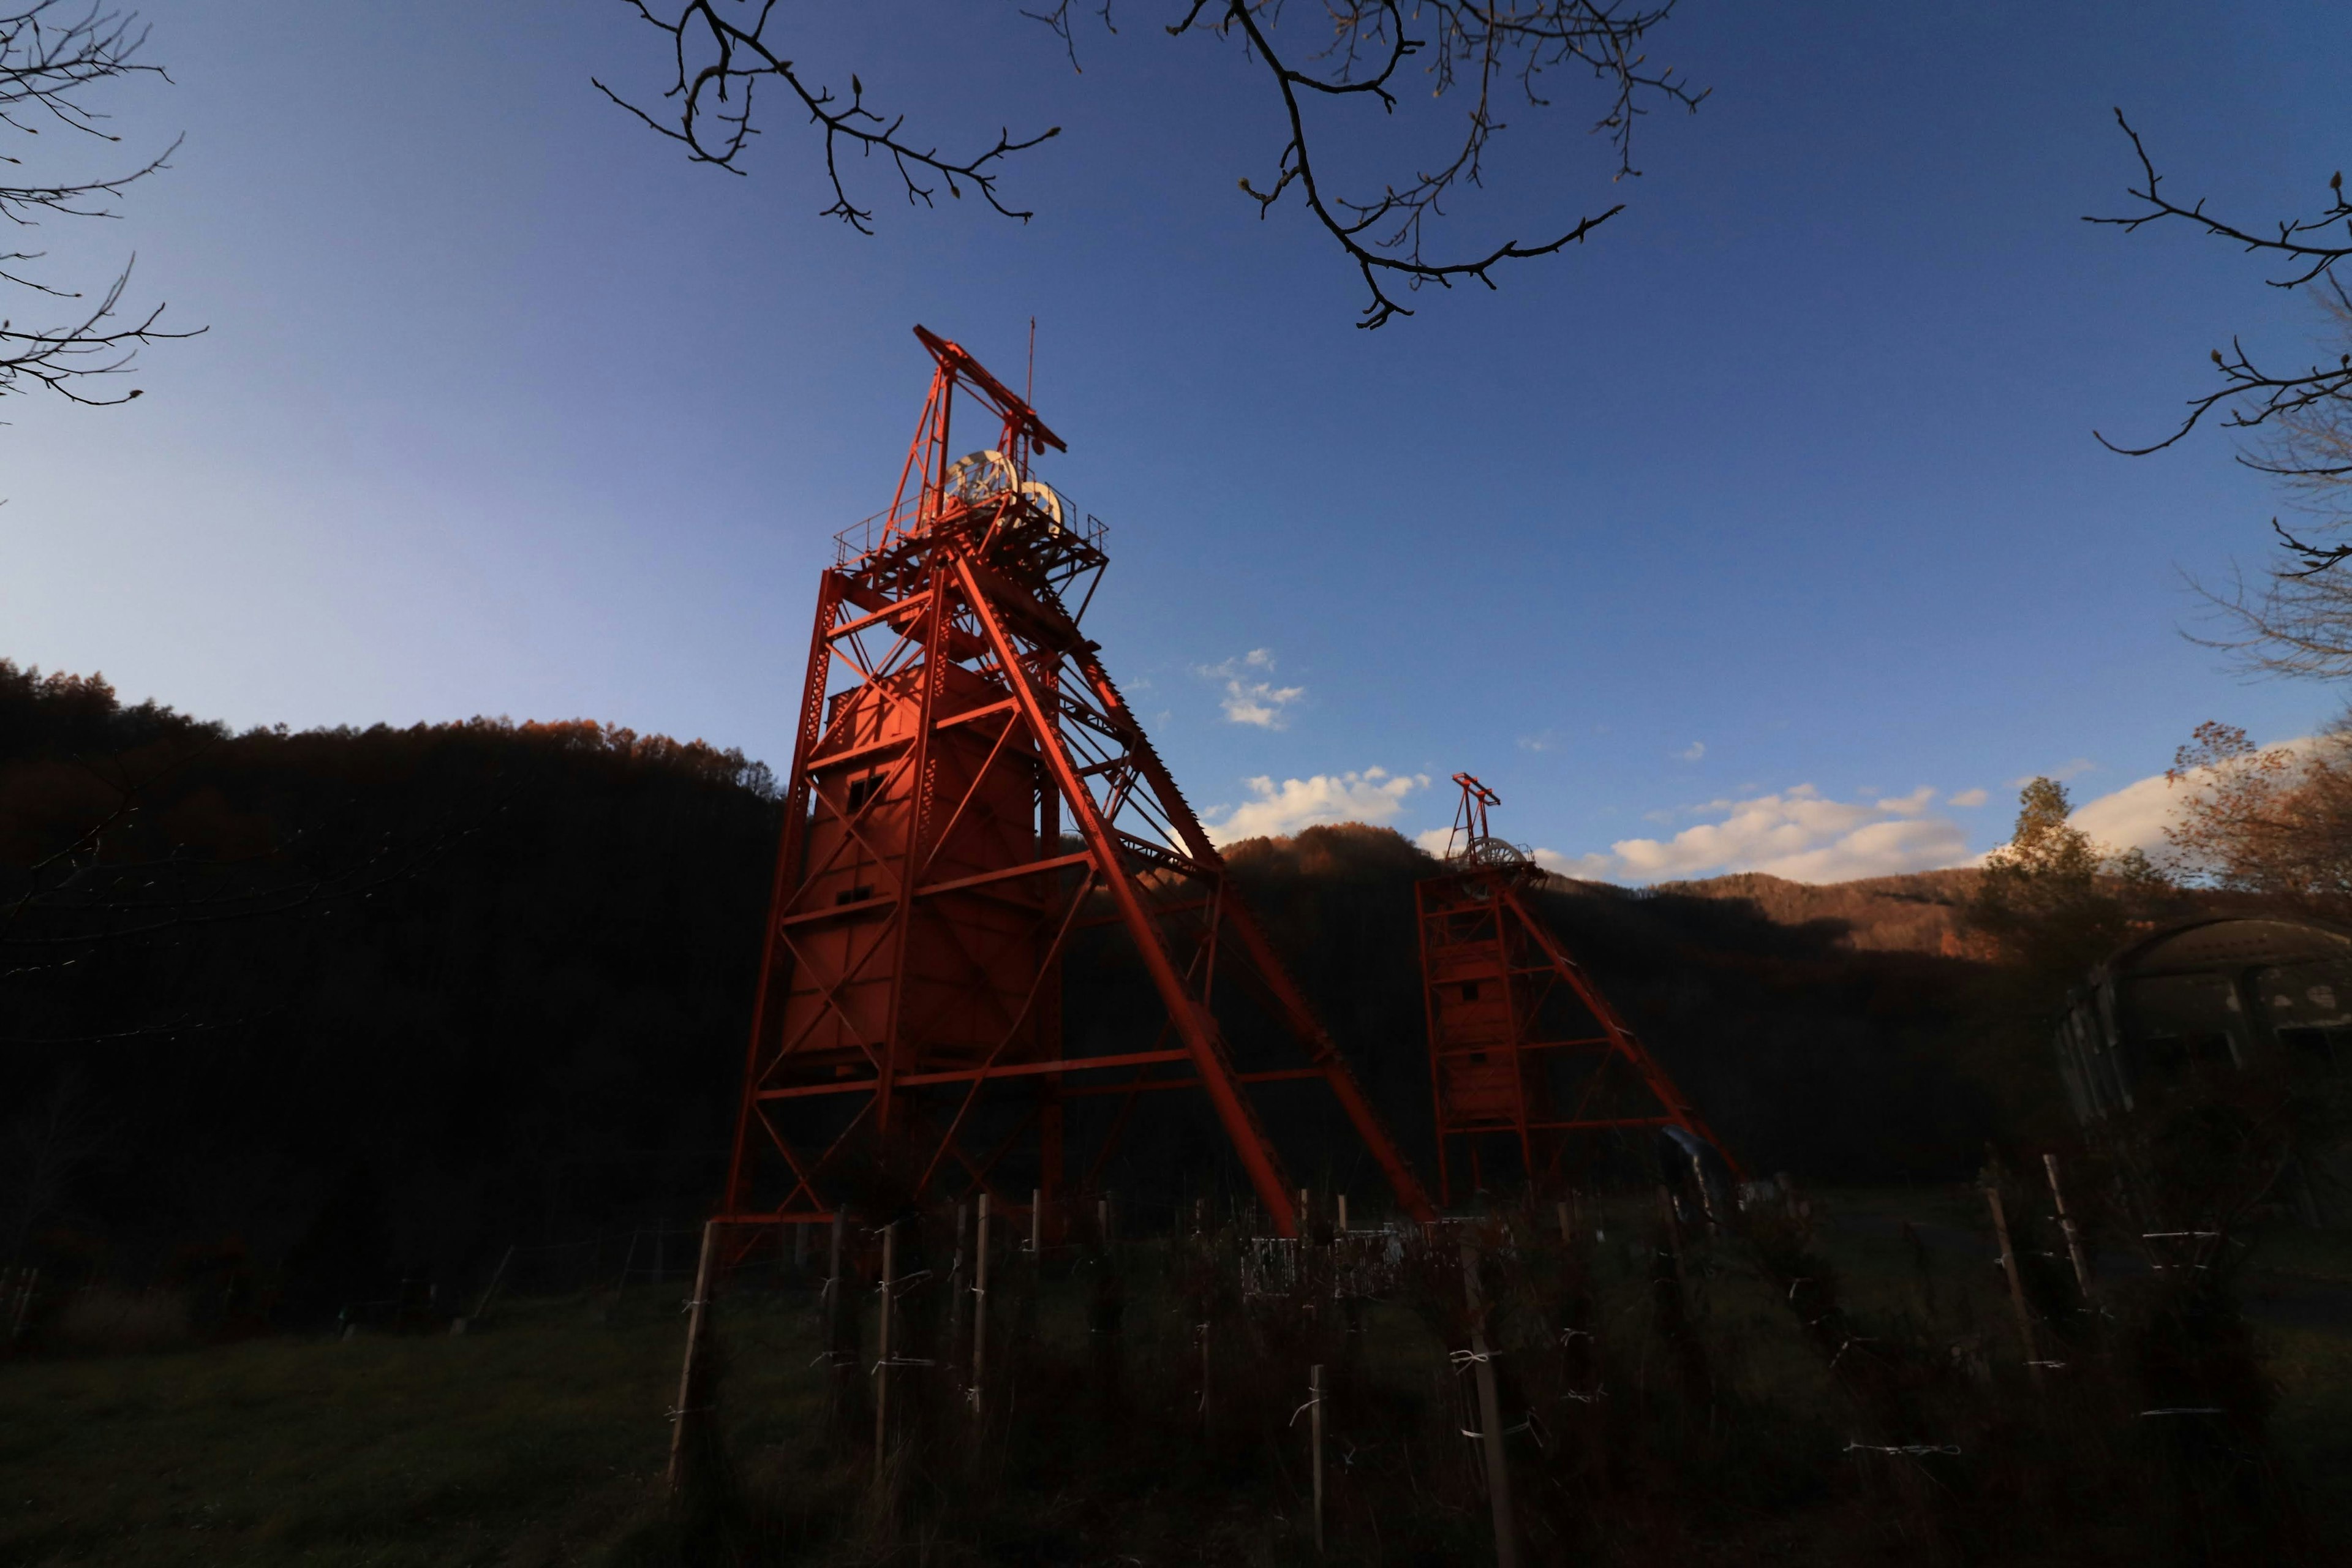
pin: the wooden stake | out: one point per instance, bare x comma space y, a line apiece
1102, 1219
832, 1291
1490, 1417
2066, 1224
1567, 1236
2016, 1285
497, 1277
1343, 1213
690, 1388
25, 1285
628, 1262
882, 1350
955, 1287
1674, 1239
1208, 1431
1037, 1222
1315, 1427
980, 1308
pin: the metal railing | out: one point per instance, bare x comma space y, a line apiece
869, 534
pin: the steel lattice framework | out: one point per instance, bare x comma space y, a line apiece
969, 790
1523, 1046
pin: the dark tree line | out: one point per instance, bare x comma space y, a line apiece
452, 986
492, 973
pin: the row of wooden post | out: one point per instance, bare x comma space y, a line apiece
16, 1292
2034, 1361
691, 1392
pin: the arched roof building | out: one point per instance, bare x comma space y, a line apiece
2253, 994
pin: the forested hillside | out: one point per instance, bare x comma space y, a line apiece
402, 992
1924, 911
356, 999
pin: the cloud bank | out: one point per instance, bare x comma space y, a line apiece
1805, 836
1799, 834
1374, 795
2134, 817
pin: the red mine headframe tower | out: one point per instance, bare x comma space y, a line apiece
969, 790
1523, 1047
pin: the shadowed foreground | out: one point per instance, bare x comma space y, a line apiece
1695, 1418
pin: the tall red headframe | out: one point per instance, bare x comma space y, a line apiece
1523, 1047
969, 790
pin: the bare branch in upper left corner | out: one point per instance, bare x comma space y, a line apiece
53, 54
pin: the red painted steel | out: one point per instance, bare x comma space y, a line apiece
954, 720
1523, 1046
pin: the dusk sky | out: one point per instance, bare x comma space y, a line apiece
1765, 531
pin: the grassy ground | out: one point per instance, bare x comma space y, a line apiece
542, 1439
529, 1444
2313, 1427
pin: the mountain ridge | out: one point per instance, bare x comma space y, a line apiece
1916, 911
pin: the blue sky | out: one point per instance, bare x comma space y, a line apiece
1727, 534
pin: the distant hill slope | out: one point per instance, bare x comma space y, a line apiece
1920, 912
1807, 1050
368, 997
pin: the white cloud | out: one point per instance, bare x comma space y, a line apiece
1583, 868
1541, 740
1374, 795
1799, 834
2132, 817
1251, 698
1806, 836
1693, 751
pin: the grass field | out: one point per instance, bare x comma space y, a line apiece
542, 1439
535, 1443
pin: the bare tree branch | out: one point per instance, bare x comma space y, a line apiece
52, 52
721, 49
721, 52
2251, 394
1485, 46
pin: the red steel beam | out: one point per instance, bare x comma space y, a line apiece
1194, 1025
